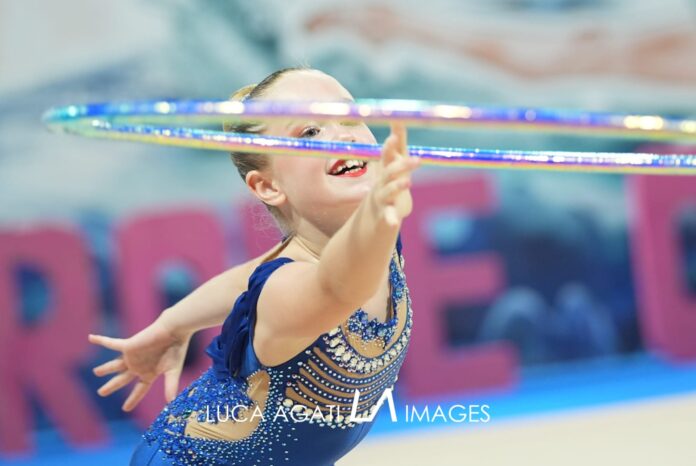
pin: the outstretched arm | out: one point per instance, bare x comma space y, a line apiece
302, 300
160, 348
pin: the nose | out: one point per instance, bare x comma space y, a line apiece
343, 134
346, 137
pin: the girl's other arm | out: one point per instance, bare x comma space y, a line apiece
160, 348
210, 303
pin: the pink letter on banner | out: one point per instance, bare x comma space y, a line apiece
667, 312
432, 368
44, 358
148, 244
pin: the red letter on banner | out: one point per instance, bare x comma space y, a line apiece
667, 312
432, 367
146, 246
44, 358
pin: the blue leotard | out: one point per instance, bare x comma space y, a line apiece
242, 412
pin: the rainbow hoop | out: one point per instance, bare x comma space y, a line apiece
156, 122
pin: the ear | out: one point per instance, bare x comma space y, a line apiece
265, 188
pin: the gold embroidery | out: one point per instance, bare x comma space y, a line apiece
325, 401
332, 364
322, 385
293, 395
334, 380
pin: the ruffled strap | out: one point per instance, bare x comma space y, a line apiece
228, 349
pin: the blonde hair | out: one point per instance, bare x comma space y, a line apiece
247, 162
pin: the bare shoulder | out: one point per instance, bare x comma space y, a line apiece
283, 326
245, 269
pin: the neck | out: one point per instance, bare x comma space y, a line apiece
312, 234
309, 241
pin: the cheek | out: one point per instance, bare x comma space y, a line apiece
363, 134
300, 176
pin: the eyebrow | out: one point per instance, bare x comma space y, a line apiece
343, 99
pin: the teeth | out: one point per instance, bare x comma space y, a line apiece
349, 164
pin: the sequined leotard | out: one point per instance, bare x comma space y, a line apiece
241, 412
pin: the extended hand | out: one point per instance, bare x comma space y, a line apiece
391, 194
144, 356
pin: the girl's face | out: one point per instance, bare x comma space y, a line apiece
324, 192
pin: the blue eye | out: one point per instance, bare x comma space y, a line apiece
310, 132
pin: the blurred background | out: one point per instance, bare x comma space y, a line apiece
565, 302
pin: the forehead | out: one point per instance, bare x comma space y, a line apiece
307, 85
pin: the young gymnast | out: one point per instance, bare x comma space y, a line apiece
323, 314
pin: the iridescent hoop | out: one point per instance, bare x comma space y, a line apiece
159, 122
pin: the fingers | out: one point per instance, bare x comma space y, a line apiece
115, 344
395, 146
136, 395
387, 194
389, 151
115, 365
399, 130
116, 382
171, 384
400, 167
394, 180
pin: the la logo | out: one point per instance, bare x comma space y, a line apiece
387, 394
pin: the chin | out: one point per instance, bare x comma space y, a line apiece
353, 194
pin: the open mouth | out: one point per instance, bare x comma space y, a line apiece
348, 168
